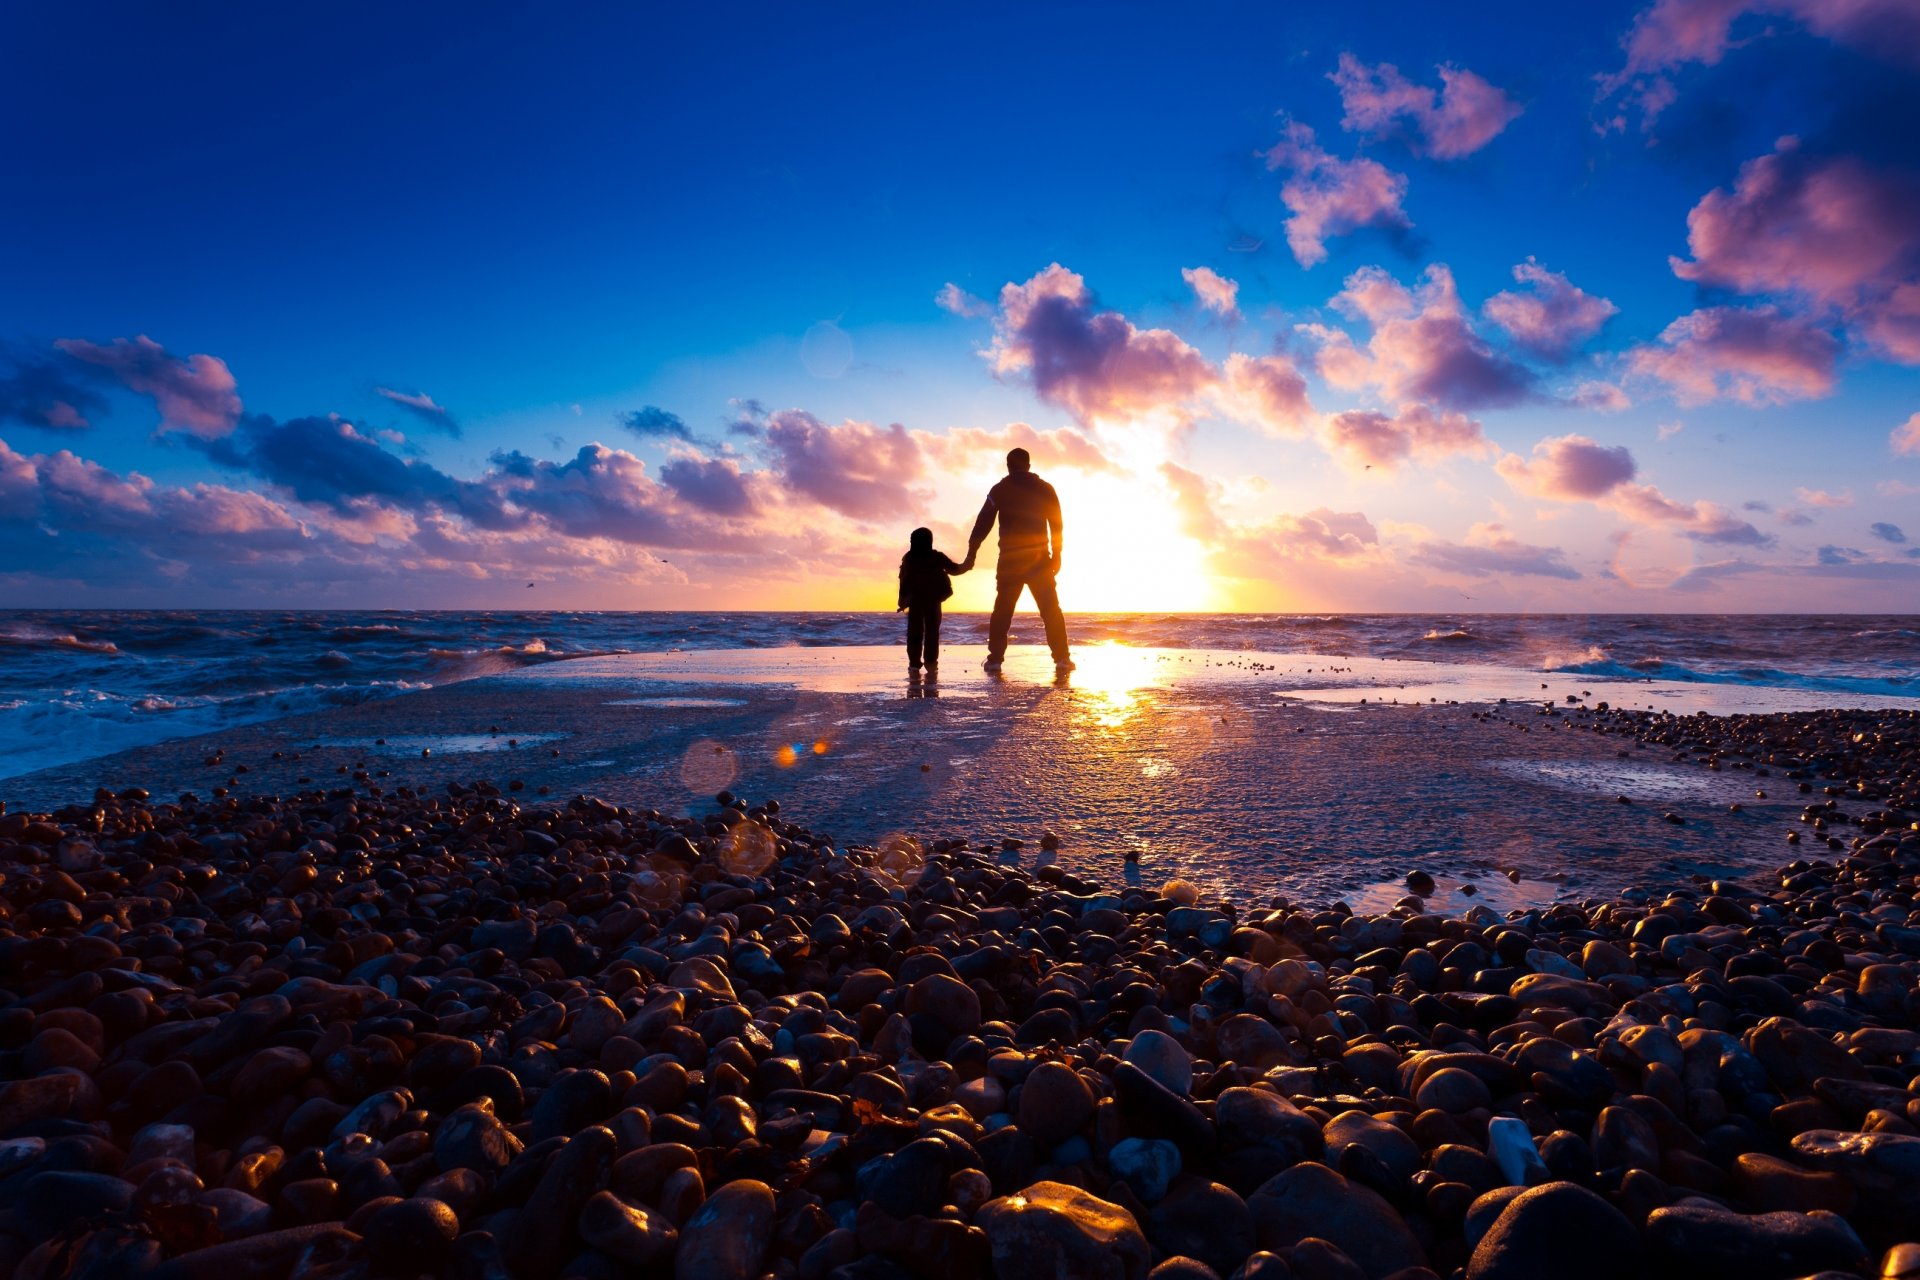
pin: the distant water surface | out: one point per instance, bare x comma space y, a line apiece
75, 685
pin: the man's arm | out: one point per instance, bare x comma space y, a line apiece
1056, 526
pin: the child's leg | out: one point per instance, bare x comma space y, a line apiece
916, 633
933, 636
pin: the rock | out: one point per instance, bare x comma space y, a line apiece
1560, 1230
628, 1233
1313, 1200
1054, 1103
1714, 1243
728, 1236
1051, 1231
268, 1256
1262, 1118
1452, 1089
1162, 1057
411, 1236
1768, 1183
1147, 1165
539, 1238
952, 1002
1202, 1220
1386, 1142
1510, 1143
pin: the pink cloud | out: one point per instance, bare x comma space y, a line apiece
961, 303
197, 395
1364, 438
1601, 397
1821, 498
1830, 230
1489, 549
1268, 392
1215, 292
1423, 347
1701, 521
1060, 447
1672, 34
1327, 196
856, 468
1577, 469
1905, 438
1093, 363
1463, 116
1757, 356
1569, 469
1554, 317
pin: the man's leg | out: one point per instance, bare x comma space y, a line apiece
1047, 600
1005, 596
933, 636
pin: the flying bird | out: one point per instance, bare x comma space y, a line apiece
529, 584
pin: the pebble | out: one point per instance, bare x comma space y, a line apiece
349, 1033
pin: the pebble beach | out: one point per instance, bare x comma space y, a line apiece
367, 1027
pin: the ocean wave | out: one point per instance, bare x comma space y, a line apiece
1758, 677
35, 638
1455, 636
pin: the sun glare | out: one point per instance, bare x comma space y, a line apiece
1110, 676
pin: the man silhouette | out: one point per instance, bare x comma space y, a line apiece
1030, 528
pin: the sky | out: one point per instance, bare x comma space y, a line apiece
1613, 307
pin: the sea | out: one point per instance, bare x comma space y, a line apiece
78, 685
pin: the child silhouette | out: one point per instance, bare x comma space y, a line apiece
924, 582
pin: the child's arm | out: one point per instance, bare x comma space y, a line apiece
952, 567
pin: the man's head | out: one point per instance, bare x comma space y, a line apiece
1018, 462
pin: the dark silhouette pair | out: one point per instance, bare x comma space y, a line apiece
1028, 512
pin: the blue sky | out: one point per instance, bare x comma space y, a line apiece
543, 221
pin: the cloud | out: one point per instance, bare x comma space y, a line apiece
1423, 347
1574, 468
328, 462
967, 447
1701, 521
65, 515
1569, 469
1756, 355
711, 484
40, 392
1093, 363
421, 406
1366, 438
1821, 498
651, 422
1490, 549
197, 395
1672, 34
1327, 196
603, 493
1887, 532
1829, 230
961, 303
1905, 438
1601, 397
1554, 317
1792, 518
856, 468
1464, 115
1267, 392
1214, 291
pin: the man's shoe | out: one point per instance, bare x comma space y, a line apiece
992, 664
1063, 664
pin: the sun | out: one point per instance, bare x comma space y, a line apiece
1126, 551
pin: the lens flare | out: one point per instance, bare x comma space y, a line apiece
748, 849
709, 766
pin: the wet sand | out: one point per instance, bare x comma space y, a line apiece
1252, 775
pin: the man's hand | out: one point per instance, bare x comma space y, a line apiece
966, 566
